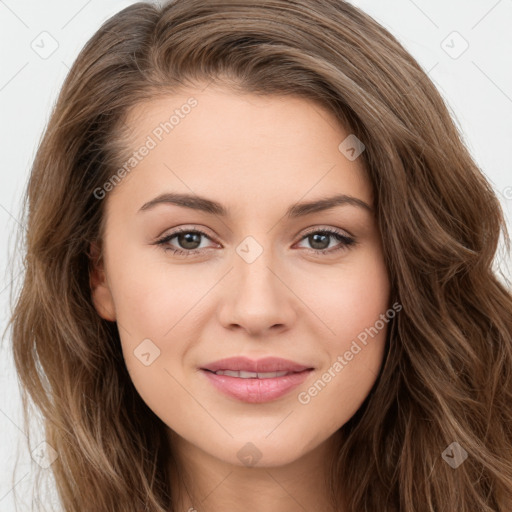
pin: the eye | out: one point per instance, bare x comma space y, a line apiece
188, 240
320, 240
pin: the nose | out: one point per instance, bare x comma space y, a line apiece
257, 297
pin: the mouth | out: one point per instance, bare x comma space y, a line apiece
251, 375
256, 381
245, 365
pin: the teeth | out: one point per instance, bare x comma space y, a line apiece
251, 375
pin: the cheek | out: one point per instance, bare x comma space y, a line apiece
350, 297
152, 322
152, 295
157, 306
353, 304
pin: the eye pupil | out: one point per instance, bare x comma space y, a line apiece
319, 238
189, 240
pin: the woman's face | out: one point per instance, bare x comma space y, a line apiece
267, 267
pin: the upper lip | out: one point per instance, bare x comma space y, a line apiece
266, 364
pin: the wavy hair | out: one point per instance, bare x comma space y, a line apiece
447, 372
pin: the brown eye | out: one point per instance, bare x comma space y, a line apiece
320, 240
188, 241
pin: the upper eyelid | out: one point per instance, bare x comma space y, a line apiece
316, 229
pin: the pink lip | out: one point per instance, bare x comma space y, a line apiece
266, 364
255, 390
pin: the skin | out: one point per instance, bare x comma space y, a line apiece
256, 156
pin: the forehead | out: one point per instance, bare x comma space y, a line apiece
239, 148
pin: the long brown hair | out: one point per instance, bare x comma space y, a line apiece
447, 374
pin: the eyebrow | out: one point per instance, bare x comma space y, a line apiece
203, 204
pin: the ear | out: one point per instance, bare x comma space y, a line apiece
100, 291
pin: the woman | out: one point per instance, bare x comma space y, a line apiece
259, 273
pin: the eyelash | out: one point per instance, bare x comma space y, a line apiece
345, 240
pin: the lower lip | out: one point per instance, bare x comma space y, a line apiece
257, 390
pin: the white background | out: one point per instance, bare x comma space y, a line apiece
477, 85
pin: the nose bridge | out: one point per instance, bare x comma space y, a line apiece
257, 298
256, 284
254, 276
